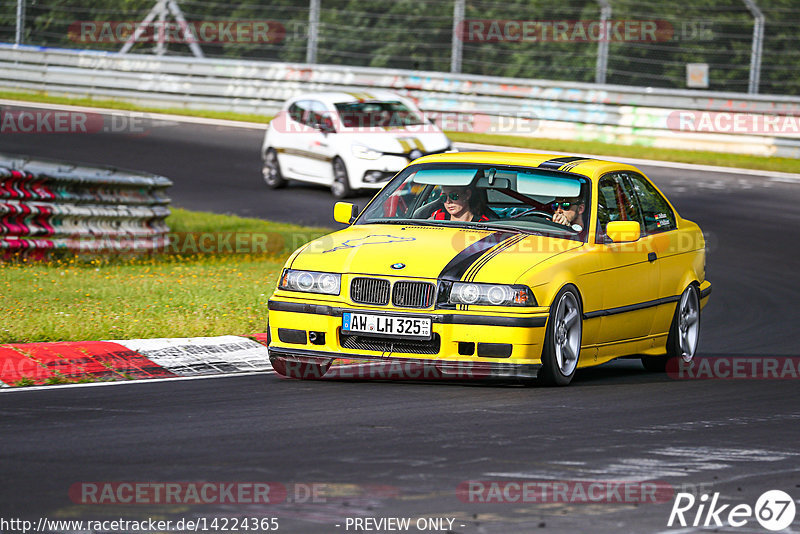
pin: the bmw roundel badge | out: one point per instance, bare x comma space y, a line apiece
398, 265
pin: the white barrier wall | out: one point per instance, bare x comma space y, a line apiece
699, 120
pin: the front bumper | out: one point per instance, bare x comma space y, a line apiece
294, 363
375, 173
502, 345
359, 169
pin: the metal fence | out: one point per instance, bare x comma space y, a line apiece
746, 45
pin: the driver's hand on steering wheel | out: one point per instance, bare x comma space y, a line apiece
560, 218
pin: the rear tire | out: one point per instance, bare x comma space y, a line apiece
562, 339
684, 332
273, 176
341, 181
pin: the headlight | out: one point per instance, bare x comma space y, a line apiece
491, 294
311, 282
365, 152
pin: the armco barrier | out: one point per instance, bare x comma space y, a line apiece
567, 110
47, 206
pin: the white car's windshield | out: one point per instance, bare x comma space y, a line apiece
370, 114
523, 199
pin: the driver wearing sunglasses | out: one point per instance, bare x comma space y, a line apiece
569, 212
459, 205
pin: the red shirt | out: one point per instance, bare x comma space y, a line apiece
444, 215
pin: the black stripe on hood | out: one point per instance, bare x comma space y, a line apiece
456, 267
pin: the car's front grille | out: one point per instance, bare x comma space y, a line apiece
413, 294
404, 293
403, 346
370, 291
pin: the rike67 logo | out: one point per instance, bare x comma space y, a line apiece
774, 510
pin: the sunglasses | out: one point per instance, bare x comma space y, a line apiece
451, 196
562, 205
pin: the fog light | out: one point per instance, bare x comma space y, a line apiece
316, 338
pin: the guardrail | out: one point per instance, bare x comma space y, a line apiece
48, 206
616, 114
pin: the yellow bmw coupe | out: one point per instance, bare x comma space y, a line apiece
496, 265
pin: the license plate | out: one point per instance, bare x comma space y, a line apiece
386, 325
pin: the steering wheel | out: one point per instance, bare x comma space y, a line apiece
426, 210
532, 211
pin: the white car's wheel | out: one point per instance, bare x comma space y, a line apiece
341, 181
562, 340
272, 170
684, 333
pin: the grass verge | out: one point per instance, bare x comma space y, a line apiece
537, 144
79, 298
118, 104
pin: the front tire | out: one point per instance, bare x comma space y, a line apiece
341, 181
684, 332
272, 170
562, 340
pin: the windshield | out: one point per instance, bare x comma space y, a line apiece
523, 199
377, 114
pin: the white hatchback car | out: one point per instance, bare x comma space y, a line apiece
347, 141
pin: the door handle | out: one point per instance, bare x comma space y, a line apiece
651, 257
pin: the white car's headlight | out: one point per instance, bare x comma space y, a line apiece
311, 282
491, 294
365, 152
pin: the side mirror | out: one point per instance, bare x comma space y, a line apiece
325, 124
623, 231
345, 212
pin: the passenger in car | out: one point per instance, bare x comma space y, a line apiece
461, 204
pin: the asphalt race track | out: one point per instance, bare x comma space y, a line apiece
394, 449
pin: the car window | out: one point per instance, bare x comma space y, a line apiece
370, 114
504, 196
299, 110
405, 200
657, 215
616, 201
318, 113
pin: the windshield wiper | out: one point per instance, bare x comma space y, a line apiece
406, 222
451, 224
